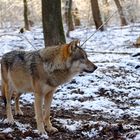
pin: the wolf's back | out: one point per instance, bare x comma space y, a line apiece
12, 57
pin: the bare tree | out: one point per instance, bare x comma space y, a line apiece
76, 17
26, 22
96, 14
120, 11
68, 16
106, 10
52, 22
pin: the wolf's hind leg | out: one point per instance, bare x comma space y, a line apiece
10, 118
18, 111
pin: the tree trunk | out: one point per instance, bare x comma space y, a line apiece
52, 22
96, 14
68, 15
120, 11
76, 17
106, 10
26, 23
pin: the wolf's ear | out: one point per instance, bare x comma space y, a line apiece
73, 45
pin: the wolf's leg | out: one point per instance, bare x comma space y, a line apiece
10, 118
38, 107
39, 113
48, 101
3, 92
17, 106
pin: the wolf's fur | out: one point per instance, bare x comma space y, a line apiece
41, 72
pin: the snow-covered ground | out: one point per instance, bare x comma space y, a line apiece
113, 90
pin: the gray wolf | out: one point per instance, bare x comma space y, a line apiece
41, 72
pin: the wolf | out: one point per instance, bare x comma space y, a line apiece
41, 72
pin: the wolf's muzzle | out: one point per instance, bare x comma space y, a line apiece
91, 70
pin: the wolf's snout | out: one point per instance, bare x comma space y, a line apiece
93, 69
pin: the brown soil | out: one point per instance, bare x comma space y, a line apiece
113, 129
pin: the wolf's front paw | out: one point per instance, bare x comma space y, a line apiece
41, 129
9, 121
52, 129
42, 132
18, 112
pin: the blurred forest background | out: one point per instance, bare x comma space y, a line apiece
11, 12
104, 105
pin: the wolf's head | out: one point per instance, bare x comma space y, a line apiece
69, 57
78, 58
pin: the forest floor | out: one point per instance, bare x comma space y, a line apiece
105, 127
104, 105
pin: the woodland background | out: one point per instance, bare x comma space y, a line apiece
11, 12
104, 105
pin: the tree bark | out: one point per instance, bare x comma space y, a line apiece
76, 17
26, 22
68, 16
106, 10
52, 22
96, 14
120, 11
